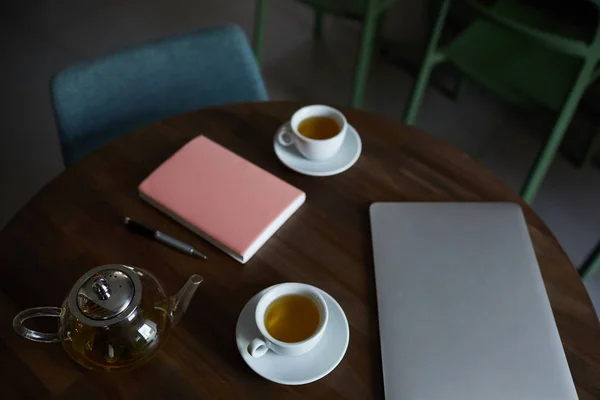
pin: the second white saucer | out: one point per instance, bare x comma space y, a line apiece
340, 162
296, 370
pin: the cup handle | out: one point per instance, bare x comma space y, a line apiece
19, 324
258, 348
285, 138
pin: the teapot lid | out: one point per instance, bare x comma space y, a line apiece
105, 295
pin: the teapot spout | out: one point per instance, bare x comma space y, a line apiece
180, 302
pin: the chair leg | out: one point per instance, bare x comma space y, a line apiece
364, 54
258, 38
546, 155
591, 264
429, 61
591, 151
412, 107
318, 25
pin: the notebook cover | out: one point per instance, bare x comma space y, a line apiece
221, 196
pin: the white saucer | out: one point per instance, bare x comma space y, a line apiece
344, 159
296, 370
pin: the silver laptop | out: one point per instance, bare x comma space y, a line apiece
463, 312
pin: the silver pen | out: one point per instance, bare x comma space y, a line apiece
150, 233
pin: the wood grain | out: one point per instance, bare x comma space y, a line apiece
76, 223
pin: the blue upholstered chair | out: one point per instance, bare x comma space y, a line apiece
95, 102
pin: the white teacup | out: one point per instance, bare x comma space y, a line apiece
314, 149
265, 342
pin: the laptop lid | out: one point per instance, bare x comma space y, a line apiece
463, 312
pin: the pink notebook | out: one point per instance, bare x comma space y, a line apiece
220, 196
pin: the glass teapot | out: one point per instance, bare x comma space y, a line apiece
115, 318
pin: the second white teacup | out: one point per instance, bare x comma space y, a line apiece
315, 149
278, 306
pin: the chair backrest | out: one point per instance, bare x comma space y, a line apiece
97, 101
558, 42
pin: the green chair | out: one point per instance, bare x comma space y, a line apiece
525, 55
591, 264
371, 12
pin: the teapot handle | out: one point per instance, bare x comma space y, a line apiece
19, 324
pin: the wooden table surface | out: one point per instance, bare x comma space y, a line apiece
76, 223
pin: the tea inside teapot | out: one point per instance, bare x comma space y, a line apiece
115, 317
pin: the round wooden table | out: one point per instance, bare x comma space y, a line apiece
76, 223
